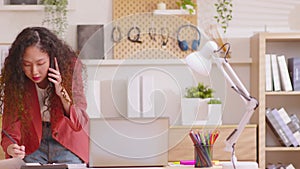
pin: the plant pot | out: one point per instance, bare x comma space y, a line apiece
194, 111
188, 7
214, 114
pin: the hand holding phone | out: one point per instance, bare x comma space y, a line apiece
54, 76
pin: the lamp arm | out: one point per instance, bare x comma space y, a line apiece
250, 102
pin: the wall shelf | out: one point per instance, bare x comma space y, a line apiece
132, 62
172, 12
282, 148
21, 8
283, 93
240, 60
213, 127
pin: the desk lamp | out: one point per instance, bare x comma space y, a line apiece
201, 61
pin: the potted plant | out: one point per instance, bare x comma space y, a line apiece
195, 107
214, 101
224, 13
56, 16
214, 112
199, 91
188, 5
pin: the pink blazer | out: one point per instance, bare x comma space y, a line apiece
71, 132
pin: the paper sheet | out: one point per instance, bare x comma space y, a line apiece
12, 163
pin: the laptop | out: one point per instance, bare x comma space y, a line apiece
128, 142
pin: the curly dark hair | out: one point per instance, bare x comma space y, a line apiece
13, 78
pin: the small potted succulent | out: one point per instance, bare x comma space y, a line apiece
214, 101
188, 5
214, 112
198, 106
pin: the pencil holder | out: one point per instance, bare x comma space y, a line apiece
203, 155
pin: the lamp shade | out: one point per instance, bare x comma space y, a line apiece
200, 61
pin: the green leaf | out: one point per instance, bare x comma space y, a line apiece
214, 101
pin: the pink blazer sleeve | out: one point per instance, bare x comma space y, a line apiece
11, 124
78, 116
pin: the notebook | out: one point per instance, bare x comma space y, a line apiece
123, 142
46, 166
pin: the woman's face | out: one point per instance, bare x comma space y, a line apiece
35, 65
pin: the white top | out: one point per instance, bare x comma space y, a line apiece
45, 114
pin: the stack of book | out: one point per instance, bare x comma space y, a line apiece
280, 165
281, 76
285, 127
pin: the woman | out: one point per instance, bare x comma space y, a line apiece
42, 96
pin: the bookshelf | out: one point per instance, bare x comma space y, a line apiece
269, 148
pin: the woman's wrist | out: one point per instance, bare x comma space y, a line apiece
66, 101
65, 96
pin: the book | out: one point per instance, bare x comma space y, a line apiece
45, 166
269, 79
147, 101
290, 166
283, 119
294, 125
284, 74
294, 71
53, 166
11, 163
275, 73
133, 97
276, 128
140, 103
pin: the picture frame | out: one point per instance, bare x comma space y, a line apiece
90, 41
23, 2
4, 48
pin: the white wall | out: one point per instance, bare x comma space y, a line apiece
248, 17
85, 12
254, 16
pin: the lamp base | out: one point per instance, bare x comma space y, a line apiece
240, 165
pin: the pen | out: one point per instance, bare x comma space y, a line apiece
9, 137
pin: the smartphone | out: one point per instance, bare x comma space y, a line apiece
52, 63
53, 67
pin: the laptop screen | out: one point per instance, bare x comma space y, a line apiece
128, 142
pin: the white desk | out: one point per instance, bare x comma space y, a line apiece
167, 167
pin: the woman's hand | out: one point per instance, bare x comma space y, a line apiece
55, 77
15, 150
